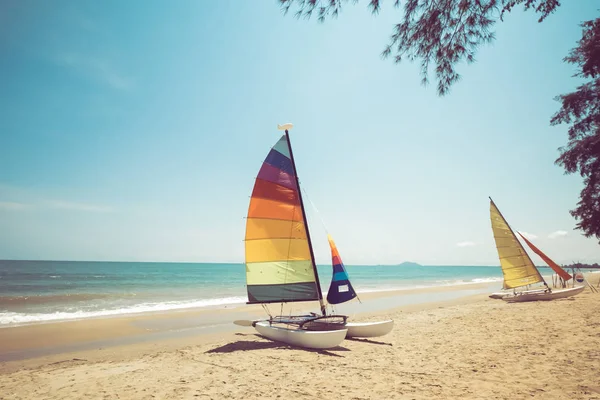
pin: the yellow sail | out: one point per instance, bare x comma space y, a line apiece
517, 267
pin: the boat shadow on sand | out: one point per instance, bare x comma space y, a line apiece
368, 341
248, 345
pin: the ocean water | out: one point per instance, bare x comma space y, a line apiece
38, 291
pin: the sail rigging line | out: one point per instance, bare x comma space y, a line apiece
317, 211
312, 254
324, 227
264, 306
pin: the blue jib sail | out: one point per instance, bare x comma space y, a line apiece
340, 290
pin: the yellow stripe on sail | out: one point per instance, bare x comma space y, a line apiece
266, 250
261, 228
517, 267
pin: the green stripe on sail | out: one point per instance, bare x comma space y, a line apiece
280, 272
282, 293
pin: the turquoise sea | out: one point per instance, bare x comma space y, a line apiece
38, 291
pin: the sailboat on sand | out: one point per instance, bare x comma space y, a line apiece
518, 268
280, 263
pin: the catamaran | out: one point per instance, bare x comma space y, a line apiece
280, 263
518, 268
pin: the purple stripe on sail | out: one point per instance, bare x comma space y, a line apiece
272, 174
280, 161
338, 268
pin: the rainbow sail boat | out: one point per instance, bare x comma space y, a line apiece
280, 263
517, 267
341, 291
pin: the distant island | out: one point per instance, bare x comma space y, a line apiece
408, 264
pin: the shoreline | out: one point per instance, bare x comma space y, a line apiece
56, 338
191, 308
118, 313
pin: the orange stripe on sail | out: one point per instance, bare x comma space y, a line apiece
263, 208
334, 250
561, 272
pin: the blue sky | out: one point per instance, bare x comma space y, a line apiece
133, 131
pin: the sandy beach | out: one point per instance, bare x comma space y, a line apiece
469, 347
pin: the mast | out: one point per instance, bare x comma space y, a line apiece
519, 243
312, 254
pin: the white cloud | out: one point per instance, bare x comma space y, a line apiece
465, 244
66, 205
27, 199
13, 206
528, 235
97, 68
557, 234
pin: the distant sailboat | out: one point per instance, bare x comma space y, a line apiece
518, 268
341, 291
280, 264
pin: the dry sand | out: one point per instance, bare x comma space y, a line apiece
469, 348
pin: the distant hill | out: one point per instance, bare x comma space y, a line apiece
408, 264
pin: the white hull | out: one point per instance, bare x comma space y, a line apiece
500, 295
301, 337
369, 329
539, 296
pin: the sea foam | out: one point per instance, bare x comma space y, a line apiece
12, 318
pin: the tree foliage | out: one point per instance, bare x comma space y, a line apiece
438, 34
581, 109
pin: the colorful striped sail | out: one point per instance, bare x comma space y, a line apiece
561, 272
279, 265
517, 267
340, 289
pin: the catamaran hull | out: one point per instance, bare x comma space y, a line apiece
302, 337
501, 295
369, 329
557, 294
